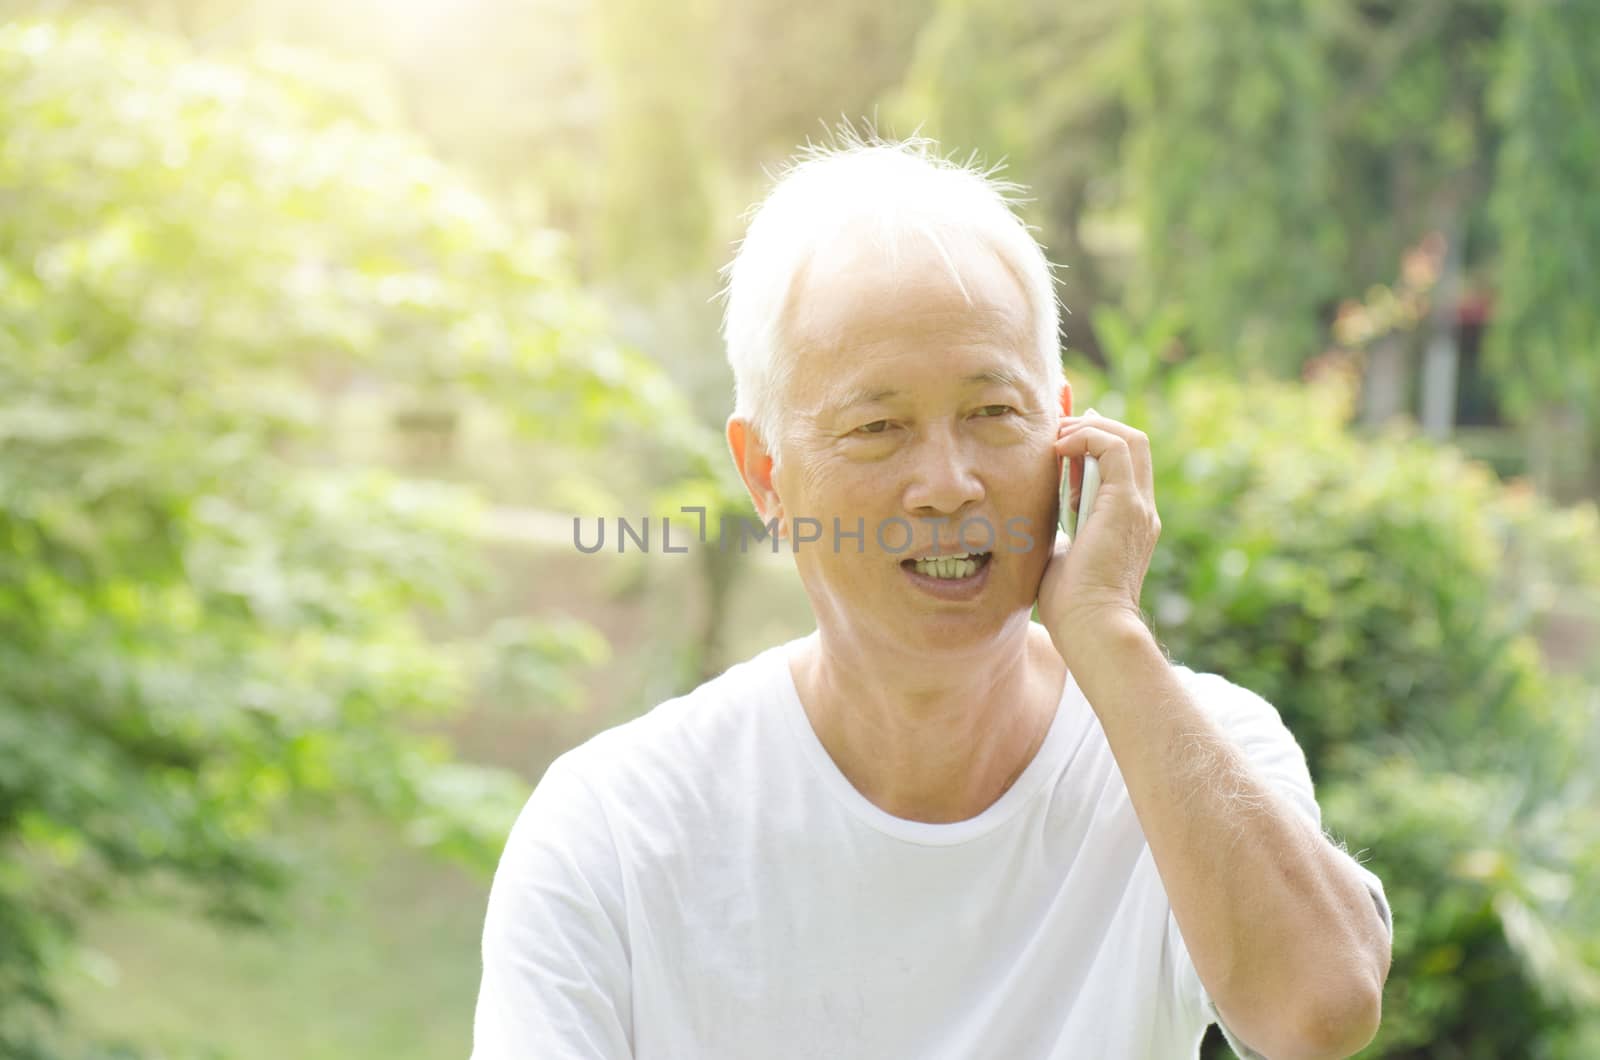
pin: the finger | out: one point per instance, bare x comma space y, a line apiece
1138, 445
1116, 459
1073, 469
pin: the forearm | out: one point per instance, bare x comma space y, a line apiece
1279, 925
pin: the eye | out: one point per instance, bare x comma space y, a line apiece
988, 412
875, 427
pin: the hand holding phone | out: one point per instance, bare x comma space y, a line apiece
1096, 581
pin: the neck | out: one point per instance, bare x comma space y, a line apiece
936, 740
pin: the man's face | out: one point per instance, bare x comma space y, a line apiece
908, 404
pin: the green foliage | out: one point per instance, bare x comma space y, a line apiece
1233, 174
786, 69
1366, 571
698, 98
1496, 929
1383, 594
1408, 123
202, 628
656, 216
1546, 342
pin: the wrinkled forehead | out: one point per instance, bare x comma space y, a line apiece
859, 291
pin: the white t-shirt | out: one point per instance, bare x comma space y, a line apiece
703, 883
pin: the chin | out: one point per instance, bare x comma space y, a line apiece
955, 632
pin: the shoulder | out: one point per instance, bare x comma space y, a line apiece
1256, 727
648, 770
683, 741
1240, 710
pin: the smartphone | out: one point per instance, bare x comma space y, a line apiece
1091, 485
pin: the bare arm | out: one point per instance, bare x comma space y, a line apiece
1279, 923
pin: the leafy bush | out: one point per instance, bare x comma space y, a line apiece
1383, 593
202, 627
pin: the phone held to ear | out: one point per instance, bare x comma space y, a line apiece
1091, 486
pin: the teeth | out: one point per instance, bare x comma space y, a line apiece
955, 566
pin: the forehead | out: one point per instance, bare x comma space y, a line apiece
853, 298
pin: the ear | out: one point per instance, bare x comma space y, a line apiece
754, 463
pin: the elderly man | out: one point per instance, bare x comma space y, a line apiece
933, 827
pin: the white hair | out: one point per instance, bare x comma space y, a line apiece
883, 191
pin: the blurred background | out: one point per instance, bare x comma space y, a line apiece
320, 321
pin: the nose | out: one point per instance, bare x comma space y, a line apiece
944, 476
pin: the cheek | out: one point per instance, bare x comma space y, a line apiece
1029, 468
1031, 492
828, 490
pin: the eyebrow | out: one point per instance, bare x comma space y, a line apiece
849, 399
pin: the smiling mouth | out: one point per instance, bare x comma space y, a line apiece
956, 567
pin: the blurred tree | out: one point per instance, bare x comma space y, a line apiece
698, 97
202, 625
1232, 175
1411, 129
508, 90
1545, 340
1409, 124
657, 173
785, 71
